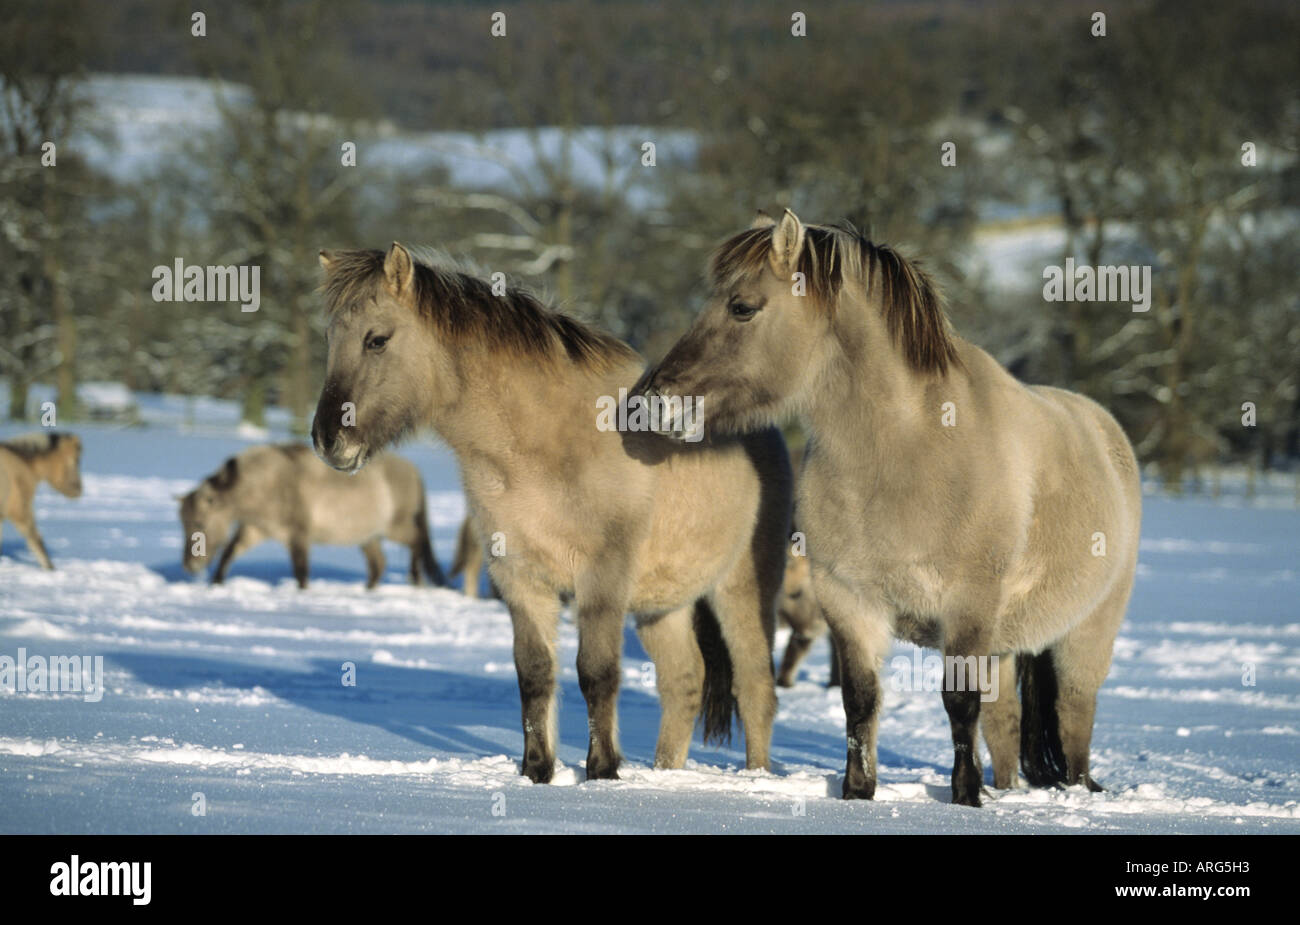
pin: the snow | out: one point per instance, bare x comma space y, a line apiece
236, 692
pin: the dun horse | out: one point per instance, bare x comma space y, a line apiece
24, 462
943, 501
688, 537
468, 560
799, 610
283, 493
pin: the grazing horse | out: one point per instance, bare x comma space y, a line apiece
799, 610
282, 492
689, 537
24, 462
943, 501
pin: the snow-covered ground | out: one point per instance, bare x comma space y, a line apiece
236, 692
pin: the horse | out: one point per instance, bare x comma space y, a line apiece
798, 609
24, 462
282, 492
689, 537
468, 559
943, 501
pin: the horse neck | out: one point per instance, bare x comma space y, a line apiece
509, 405
869, 399
44, 465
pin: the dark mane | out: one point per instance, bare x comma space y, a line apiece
462, 308
910, 301
30, 446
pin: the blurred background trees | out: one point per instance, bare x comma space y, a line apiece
527, 153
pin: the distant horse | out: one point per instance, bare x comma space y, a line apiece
943, 501
797, 607
689, 537
468, 560
24, 462
282, 492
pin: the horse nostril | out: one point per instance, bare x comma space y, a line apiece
318, 439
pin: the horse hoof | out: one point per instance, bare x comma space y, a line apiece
966, 797
862, 791
602, 770
539, 772
1092, 785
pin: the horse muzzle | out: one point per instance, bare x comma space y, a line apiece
339, 454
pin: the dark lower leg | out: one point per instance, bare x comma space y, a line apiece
600, 637
963, 708
298, 556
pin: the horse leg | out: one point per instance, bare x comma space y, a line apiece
27, 527
835, 663
534, 614
1082, 661
961, 700
245, 538
298, 550
23, 518
473, 568
1000, 723
679, 676
795, 651
600, 649
861, 640
375, 562
746, 612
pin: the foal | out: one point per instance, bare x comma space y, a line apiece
24, 462
943, 501
688, 537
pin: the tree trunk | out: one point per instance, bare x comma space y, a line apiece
254, 410
65, 325
17, 396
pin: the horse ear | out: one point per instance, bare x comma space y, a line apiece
762, 220
787, 244
399, 269
326, 260
226, 477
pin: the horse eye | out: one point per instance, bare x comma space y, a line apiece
740, 310
376, 341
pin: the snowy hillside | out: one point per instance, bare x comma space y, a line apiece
236, 693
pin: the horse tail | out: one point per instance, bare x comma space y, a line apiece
718, 703
424, 546
1042, 758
